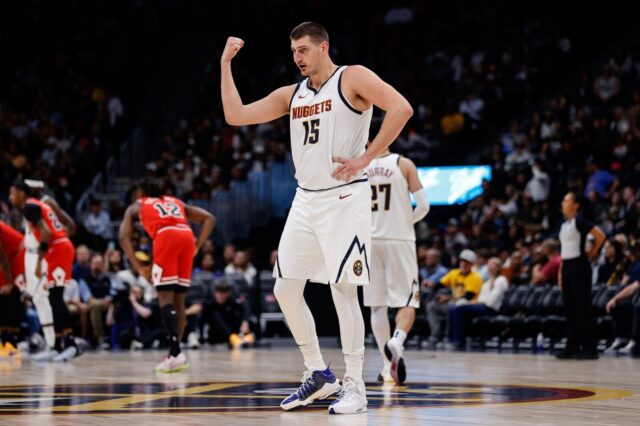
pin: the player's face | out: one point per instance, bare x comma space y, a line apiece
308, 55
16, 197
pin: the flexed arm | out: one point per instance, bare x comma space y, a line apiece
275, 105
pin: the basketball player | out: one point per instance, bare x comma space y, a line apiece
327, 236
394, 270
11, 284
55, 258
165, 219
36, 286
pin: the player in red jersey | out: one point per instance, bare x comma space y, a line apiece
11, 284
55, 258
165, 219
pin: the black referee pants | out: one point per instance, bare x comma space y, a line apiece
576, 295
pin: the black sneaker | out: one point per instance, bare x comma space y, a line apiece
584, 355
565, 354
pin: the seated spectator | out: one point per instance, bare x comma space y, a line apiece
228, 319
626, 321
76, 307
96, 290
242, 266
432, 271
129, 278
515, 270
134, 323
81, 268
488, 303
228, 254
601, 181
607, 86
613, 255
98, 221
193, 313
547, 272
458, 286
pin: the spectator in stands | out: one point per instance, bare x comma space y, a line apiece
129, 278
81, 268
613, 255
488, 304
207, 264
515, 270
538, 186
453, 236
134, 322
626, 321
607, 86
228, 321
98, 221
228, 254
472, 107
242, 266
113, 262
76, 307
432, 271
519, 158
458, 286
575, 280
547, 272
601, 181
96, 290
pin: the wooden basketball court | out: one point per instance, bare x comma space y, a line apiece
244, 388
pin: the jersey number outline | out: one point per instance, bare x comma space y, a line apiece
167, 209
55, 222
378, 190
311, 131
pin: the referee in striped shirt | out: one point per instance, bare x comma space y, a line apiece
575, 279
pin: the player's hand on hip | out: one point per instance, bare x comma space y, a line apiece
233, 46
349, 168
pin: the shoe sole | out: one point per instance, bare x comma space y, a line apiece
398, 370
173, 370
361, 410
319, 395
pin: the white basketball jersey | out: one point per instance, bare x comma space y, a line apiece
392, 214
323, 124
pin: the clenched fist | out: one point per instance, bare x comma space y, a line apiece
233, 46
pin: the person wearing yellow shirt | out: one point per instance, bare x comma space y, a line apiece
458, 286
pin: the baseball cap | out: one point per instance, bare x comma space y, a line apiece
468, 255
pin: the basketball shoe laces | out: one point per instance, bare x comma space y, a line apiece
308, 386
349, 391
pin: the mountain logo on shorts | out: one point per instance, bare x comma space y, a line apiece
357, 267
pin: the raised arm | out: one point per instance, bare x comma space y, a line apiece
201, 217
67, 221
275, 105
410, 173
364, 88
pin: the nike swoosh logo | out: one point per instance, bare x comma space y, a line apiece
302, 97
342, 197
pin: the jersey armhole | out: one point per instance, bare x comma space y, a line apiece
342, 97
294, 94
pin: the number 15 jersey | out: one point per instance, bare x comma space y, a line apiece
160, 213
323, 124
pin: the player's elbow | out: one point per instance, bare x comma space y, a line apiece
233, 119
406, 110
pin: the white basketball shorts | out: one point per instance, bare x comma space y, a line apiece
327, 237
394, 275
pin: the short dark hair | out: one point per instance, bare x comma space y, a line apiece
315, 31
577, 198
22, 186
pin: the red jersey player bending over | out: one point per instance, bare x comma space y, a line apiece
165, 219
55, 259
11, 284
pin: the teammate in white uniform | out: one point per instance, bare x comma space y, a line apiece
394, 271
328, 232
35, 286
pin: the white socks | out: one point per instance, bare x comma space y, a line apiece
290, 295
345, 299
399, 336
381, 330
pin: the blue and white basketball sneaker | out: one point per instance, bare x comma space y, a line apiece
315, 385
